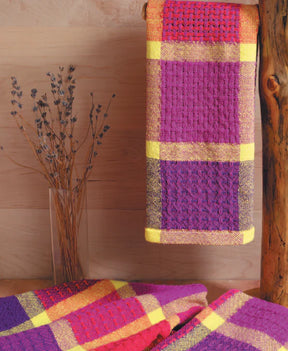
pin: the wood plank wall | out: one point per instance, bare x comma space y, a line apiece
105, 39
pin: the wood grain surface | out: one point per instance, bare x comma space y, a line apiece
106, 41
274, 106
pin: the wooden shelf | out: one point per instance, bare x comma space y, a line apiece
215, 287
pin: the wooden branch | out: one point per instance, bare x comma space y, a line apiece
274, 109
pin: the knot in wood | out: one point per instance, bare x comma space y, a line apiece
273, 83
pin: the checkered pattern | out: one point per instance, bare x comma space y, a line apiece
96, 315
201, 64
235, 321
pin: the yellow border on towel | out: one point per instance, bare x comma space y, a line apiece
248, 235
153, 235
247, 151
248, 52
153, 50
238, 238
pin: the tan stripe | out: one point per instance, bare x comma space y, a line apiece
153, 194
153, 96
245, 194
200, 52
199, 152
148, 302
247, 102
126, 291
189, 340
63, 334
201, 237
184, 304
173, 321
232, 305
19, 328
122, 333
31, 304
253, 337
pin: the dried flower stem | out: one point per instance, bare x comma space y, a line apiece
58, 157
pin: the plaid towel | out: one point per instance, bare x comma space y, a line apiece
200, 122
96, 315
234, 322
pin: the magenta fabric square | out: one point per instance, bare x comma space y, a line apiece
200, 195
86, 323
200, 102
53, 295
201, 21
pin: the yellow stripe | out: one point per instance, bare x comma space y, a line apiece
154, 50
248, 235
247, 152
156, 316
153, 149
200, 151
213, 321
283, 349
40, 319
77, 348
118, 284
153, 235
248, 52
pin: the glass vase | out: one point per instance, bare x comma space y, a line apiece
69, 234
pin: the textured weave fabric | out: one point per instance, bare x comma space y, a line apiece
234, 322
96, 315
201, 63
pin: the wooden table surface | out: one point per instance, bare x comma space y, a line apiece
215, 287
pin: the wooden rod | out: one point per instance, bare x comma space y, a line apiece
274, 110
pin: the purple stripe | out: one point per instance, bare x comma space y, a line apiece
36, 339
200, 195
11, 313
218, 342
264, 316
168, 293
199, 102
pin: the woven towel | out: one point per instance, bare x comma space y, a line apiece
200, 122
234, 322
96, 315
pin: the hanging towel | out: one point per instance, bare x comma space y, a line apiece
201, 65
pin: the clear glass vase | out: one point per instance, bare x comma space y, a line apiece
69, 234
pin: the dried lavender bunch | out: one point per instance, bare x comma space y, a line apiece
52, 136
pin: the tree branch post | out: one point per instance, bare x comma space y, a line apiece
274, 110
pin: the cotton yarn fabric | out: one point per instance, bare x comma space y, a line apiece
201, 67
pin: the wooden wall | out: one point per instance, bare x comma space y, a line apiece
105, 39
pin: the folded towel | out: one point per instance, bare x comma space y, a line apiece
201, 63
235, 321
96, 315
